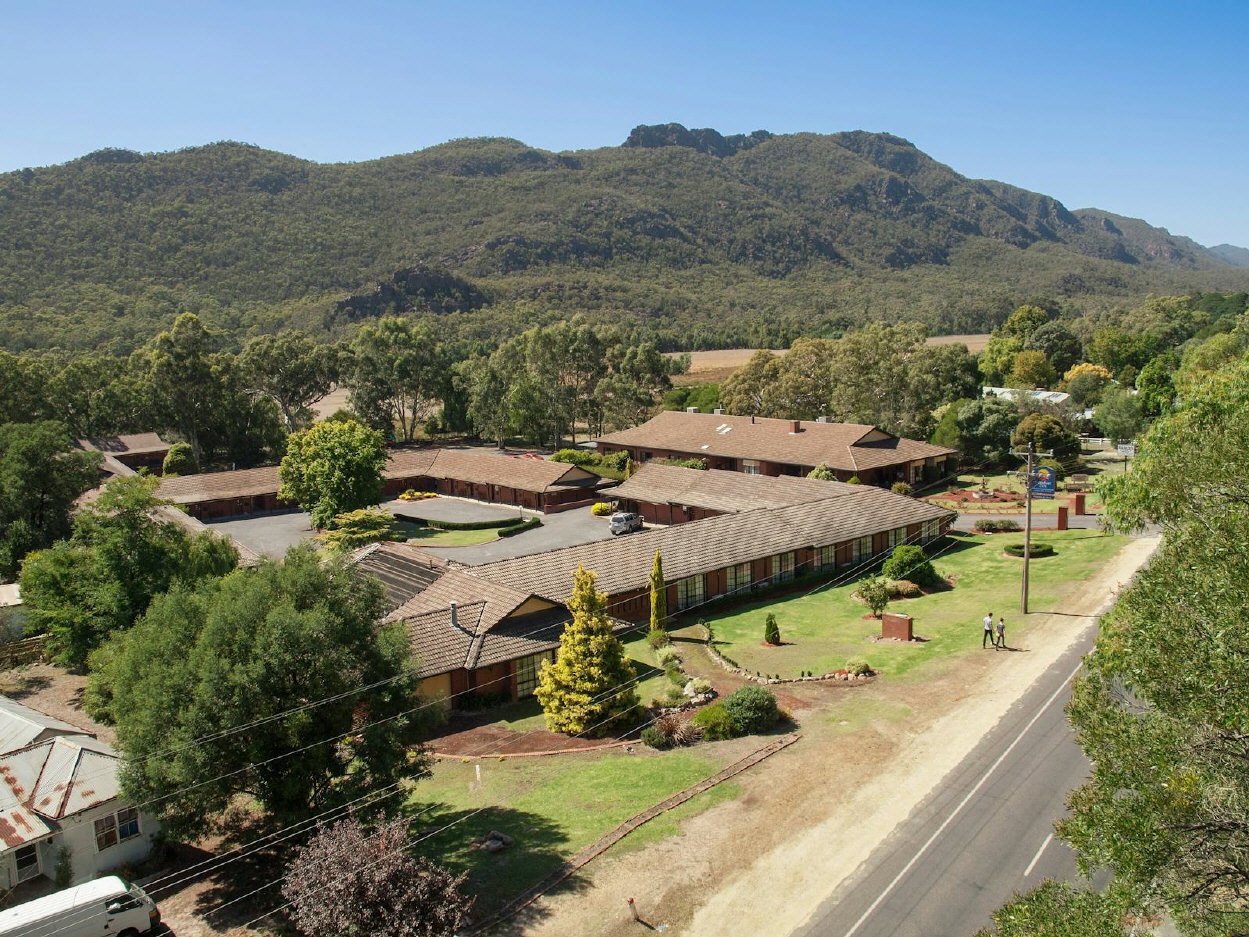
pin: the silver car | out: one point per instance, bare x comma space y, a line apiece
622, 522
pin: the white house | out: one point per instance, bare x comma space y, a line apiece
59, 788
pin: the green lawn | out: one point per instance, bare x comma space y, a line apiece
552, 807
824, 629
432, 537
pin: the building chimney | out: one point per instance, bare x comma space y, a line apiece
691, 409
795, 426
718, 411
455, 619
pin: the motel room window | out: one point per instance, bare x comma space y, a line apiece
750, 467
860, 549
826, 557
527, 670
783, 567
690, 591
105, 832
931, 531
737, 578
897, 536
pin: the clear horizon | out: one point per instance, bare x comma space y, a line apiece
1134, 108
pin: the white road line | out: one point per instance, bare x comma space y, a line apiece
1032, 865
962, 803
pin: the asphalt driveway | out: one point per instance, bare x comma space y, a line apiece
457, 510
270, 534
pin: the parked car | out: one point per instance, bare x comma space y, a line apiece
622, 522
106, 907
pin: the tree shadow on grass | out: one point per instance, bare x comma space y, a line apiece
539, 849
18, 685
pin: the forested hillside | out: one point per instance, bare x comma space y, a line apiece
698, 239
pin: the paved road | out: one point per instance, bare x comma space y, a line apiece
984, 836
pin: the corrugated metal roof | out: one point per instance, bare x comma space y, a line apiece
62, 776
19, 826
21, 726
403, 571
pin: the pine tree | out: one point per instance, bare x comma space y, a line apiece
589, 688
659, 595
771, 630
629, 467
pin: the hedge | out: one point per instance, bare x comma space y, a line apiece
1038, 549
471, 525
520, 528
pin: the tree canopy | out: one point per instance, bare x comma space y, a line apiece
248, 649
332, 468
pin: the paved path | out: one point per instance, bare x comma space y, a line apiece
985, 834
1040, 522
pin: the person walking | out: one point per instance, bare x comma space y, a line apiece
1000, 641
988, 632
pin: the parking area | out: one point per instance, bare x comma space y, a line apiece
270, 534
274, 534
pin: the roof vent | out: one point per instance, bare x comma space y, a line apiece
455, 618
718, 411
795, 426
691, 409
821, 419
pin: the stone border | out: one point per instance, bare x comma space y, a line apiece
596, 849
843, 676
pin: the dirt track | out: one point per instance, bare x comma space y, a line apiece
807, 818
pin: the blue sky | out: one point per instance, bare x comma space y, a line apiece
1138, 108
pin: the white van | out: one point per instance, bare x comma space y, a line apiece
106, 907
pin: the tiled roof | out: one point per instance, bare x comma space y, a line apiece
487, 468
21, 726
219, 486
727, 492
131, 444
464, 464
403, 571
838, 445
624, 563
61, 776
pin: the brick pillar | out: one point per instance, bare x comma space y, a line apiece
893, 625
1062, 517
1077, 504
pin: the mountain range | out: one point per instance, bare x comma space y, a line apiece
700, 238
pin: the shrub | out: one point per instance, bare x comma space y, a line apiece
666, 655
1038, 549
674, 697
655, 739
657, 638
180, 460
700, 464
675, 676
853, 480
576, 457
903, 589
514, 529
752, 709
716, 723
617, 461
902, 488
602, 509
686, 733
859, 667
668, 725
910, 562
989, 526
875, 593
698, 686
771, 631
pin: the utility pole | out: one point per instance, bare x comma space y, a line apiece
1030, 455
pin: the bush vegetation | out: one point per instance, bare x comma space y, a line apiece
752, 709
910, 562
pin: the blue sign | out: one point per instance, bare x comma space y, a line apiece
1043, 482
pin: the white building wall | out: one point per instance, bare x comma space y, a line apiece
78, 833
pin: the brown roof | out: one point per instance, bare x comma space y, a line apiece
623, 564
464, 464
219, 486
402, 570
488, 468
129, 444
850, 447
727, 492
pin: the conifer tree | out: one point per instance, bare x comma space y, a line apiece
589, 688
659, 595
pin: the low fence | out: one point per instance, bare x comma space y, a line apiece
24, 651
